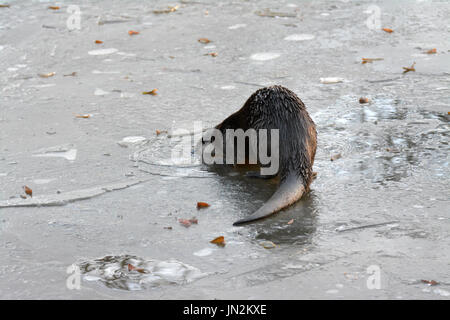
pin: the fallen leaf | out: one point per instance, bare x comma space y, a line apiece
168, 228
220, 241
132, 32
212, 54
4, 5
54, 7
204, 40
98, 41
169, 10
47, 75
431, 51
370, 60
186, 223
153, 92
388, 30
291, 221
133, 268
73, 74
335, 156
28, 191
201, 205
83, 116
364, 100
430, 282
406, 69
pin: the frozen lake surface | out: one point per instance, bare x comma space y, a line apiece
76, 129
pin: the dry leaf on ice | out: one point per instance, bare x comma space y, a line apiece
152, 92
28, 191
202, 205
204, 40
220, 241
47, 75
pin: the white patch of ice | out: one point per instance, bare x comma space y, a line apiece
330, 80
263, 56
100, 52
130, 141
100, 92
42, 181
442, 292
70, 154
228, 87
237, 26
203, 252
299, 37
127, 95
126, 54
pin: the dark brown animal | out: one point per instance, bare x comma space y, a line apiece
277, 107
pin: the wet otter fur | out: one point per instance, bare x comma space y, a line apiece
277, 107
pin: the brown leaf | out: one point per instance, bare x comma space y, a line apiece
73, 74
388, 30
83, 116
431, 51
132, 32
430, 282
291, 221
406, 69
54, 7
28, 191
133, 268
364, 100
220, 241
98, 41
47, 75
4, 5
168, 228
370, 60
201, 205
153, 92
204, 40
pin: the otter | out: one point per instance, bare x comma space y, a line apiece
277, 107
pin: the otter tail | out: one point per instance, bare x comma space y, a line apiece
290, 190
